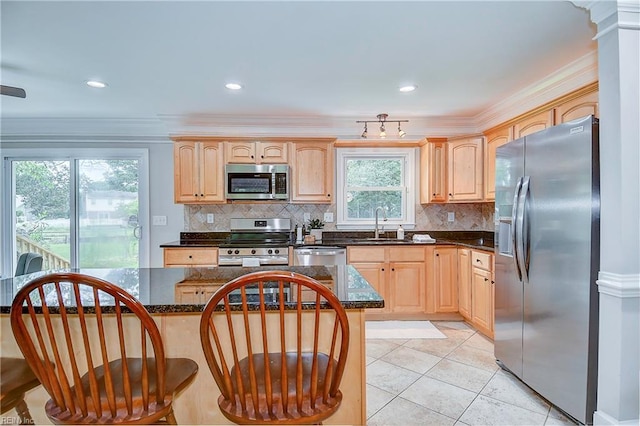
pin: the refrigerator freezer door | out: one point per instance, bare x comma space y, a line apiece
557, 296
508, 291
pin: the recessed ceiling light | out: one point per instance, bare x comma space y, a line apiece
97, 84
408, 88
233, 86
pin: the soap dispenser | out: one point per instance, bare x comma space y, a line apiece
400, 233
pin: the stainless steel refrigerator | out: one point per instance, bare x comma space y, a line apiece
547, 260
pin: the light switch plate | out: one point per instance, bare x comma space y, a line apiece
210, 218
451, 216
159, 220
328, 217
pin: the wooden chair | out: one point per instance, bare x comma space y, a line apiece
16, 378
99, 363
297, 382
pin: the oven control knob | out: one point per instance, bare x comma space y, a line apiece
270, 251
277, 251
229, 251
237, 252
253, 252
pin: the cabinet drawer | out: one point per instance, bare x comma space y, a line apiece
191, 256
482, 260
406, 254
365, 254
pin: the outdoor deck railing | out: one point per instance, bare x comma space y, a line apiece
50, 260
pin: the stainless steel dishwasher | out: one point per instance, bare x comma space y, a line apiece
319, 255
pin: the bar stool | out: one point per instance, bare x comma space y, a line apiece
16, 378
98, 363
275, 365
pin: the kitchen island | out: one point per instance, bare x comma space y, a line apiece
161, 290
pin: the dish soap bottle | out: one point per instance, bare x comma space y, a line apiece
400, 233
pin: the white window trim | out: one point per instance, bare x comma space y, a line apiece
409, 156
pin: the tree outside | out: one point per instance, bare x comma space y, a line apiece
373, 183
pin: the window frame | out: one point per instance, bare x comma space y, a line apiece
408, 155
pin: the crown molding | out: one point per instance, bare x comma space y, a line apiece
573, 76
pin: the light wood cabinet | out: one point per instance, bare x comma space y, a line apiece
179, 257
494, 139
258, 152
532, 124
586, 104
464, 282
446, 279
194, 294
198, 172
311, 172
397, 273
433, 171
482, 309
465, 169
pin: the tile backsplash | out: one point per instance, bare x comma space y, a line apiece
432, 217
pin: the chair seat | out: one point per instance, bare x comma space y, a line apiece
16, 378
179, 373
232, 409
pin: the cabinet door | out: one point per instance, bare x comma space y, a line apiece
576, 108
375, 274
272, 152
433, 171
188, 294
185, 172
464, 175
494, 140
181, 257
312, 172
464, 282
446, 275
241, 152
211, 172
533, 124
482, 301
406, 287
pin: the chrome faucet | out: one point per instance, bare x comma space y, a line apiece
376, 232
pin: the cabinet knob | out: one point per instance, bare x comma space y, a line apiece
393, 269
437, 254
383, 269
434, 194
328, 195
450, 195
190, 257
262, 156
202, 195
486, 279
252, 156
195, 195
493, 282
478, 260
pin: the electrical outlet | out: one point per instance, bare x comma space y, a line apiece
210, 218
328, 217
306, 217
159, 220
451, 216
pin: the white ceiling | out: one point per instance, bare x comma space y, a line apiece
167, 62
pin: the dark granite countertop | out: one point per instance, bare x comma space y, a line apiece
156, 287
482, 240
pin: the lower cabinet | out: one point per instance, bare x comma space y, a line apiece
464, 283
195, 294
446, 282
179, 257
476, 288
398, 273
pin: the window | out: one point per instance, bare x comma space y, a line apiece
372, 178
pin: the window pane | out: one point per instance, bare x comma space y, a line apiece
42, 211
374, 172
108, 214
362, 204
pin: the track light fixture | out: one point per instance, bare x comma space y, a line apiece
382, 119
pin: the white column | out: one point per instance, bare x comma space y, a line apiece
619, 277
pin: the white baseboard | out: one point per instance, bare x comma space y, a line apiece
601, 418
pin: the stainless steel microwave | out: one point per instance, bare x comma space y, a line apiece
257, 181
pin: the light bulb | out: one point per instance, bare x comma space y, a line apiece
401, 133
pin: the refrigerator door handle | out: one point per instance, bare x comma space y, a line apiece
514, 230
526, 227
520, 228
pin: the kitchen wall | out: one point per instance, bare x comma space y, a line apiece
472, 216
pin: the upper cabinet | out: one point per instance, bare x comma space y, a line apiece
311, 171
433, 171
494, 139
533, 124
586, 104
250, 152
465, 169
198, 172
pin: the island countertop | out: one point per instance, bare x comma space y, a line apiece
156, 287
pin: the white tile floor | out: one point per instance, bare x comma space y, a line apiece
452, 381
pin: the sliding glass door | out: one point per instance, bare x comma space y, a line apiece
76, 212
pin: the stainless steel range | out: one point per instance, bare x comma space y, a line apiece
255, 242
